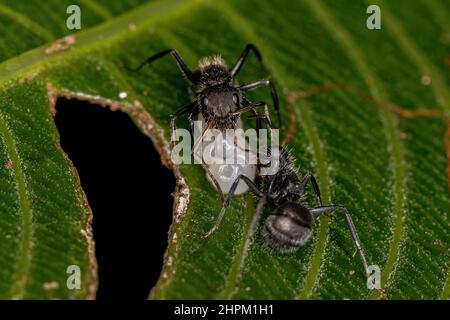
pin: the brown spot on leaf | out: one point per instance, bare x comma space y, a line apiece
425, 80
445, 37
52, 95
53, 285
9, 164
447, 60
61, 44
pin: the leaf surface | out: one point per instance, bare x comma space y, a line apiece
367, 112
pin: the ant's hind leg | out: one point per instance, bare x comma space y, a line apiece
348, 219
183, 67
230, 194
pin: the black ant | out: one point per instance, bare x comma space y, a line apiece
218, 98
289, 226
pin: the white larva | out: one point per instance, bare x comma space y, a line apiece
225, 174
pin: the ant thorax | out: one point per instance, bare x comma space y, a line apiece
212, 71
285, 184
225, 158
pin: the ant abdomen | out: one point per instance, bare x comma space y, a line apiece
288, 228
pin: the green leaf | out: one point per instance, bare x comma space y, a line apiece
368, 115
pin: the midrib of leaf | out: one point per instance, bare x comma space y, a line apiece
423, 64
344, 39
24, 255
243, 27
33, 61
322, 237
26, 22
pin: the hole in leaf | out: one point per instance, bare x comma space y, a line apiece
128, 190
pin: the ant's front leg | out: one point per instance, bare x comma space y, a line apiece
176, 115
250, 106
273, 93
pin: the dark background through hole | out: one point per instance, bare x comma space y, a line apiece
128, 190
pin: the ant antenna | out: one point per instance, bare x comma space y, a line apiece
181, 64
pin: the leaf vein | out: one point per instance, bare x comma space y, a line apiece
25, 250
26, 22
354, 53
417, 57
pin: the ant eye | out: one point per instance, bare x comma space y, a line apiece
205, 101
235, 98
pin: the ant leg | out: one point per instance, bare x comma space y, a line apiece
242, 58
230, 194
250, 106
309, 177
267, 116
319, 210
273, 93
258, 128
183, 67
258, 117
200, 140
204, 166
249, 237
177, 114
258, 121
214, 180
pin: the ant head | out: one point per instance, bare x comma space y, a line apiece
219, 102
289, 227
